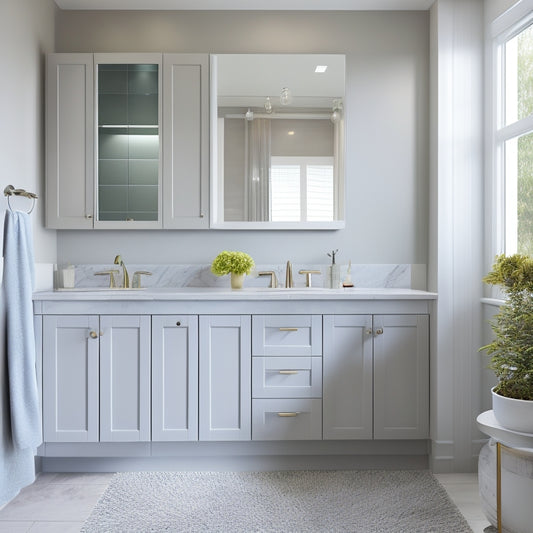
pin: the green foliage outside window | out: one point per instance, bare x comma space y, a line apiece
525, 143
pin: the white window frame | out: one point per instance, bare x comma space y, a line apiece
501, 196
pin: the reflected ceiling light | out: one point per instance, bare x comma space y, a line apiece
285, 97
249, 115
268, 105
336, 110
320, 69
291, 132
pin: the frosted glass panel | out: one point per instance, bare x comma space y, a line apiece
128, 142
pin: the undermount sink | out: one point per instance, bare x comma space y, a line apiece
93, 289
284, 289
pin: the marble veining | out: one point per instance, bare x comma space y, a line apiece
363, 276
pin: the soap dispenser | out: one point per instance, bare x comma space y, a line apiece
334, 273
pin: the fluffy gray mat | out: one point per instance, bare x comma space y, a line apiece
277, 502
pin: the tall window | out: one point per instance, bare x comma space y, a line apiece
514, 136
301, 189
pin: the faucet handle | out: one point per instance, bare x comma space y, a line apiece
273, 277
136, 282
308, 275
111, 274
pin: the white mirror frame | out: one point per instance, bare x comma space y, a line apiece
217, 178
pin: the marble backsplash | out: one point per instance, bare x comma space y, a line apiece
364, 276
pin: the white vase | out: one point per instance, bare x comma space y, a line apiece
237, 280
516, 415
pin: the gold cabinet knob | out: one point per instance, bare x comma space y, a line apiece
368, 332
93, 334
379, 331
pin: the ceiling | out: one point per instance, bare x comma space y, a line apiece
245, 5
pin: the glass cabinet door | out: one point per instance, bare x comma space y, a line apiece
128, 146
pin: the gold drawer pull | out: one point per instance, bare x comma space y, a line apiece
287, 415
288, 329
288, 371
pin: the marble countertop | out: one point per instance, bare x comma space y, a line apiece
221, 294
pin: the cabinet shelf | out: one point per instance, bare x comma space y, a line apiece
130, 126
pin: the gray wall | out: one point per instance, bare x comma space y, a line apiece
26, 34
387, 62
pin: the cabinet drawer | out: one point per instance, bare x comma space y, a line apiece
282, 419
287, 335
287, 377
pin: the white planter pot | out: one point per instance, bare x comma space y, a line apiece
516, 415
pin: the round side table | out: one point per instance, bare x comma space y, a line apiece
512, 442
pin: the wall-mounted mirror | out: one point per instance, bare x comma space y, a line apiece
277, 141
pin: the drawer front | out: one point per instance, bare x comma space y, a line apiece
287, 335
282, 419
287, 377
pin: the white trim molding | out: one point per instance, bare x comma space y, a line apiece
456, 231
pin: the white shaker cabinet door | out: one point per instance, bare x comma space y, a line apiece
69, 141
185, 141
225, 378
70, 378
401, 377
125, 378
347, 377
174, 378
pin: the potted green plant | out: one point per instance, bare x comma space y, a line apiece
511, 351
235, 263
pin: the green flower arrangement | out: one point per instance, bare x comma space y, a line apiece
232, 262
511, 350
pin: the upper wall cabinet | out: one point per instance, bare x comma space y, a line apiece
127, 141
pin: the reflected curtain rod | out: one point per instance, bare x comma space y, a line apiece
308, 116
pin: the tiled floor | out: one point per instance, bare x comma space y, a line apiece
463, 490
60, 503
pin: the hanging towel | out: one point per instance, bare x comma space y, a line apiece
17, 286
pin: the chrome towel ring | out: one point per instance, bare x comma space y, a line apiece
10, 191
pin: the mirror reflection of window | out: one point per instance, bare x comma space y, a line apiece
301, 189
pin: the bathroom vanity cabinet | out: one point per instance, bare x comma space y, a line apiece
376, 377
96, 376
157, 368
127, 141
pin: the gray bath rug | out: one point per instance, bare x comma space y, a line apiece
276, 502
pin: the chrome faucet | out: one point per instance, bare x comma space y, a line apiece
118, 261
288, 276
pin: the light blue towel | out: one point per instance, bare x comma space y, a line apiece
17, 286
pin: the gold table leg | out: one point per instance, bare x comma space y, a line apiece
511, 451
499, 486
